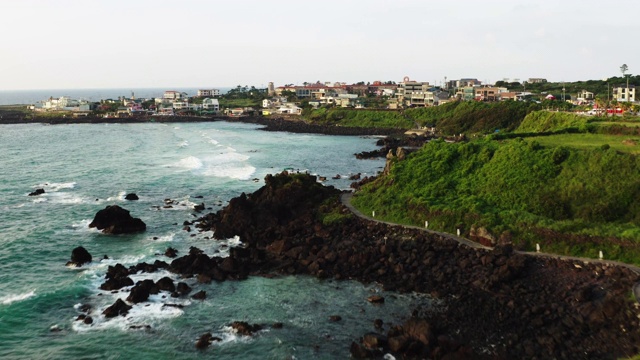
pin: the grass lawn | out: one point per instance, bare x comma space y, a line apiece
621, 123
233, 103
622, 143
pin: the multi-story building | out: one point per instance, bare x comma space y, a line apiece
623, 94
211, 105
414, 93
172, 95
208, 92
488, 93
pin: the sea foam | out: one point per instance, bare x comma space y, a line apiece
188, 163
9, 299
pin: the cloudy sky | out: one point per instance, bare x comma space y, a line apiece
53, 44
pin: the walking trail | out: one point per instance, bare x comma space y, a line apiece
346, 201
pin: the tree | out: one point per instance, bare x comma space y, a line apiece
624, 68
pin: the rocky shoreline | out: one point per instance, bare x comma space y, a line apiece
270, 124
497, 303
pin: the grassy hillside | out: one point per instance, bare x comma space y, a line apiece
553, 121
359, 118
473, 117
520, 189
470, 117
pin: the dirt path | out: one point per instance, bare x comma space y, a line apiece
346, 201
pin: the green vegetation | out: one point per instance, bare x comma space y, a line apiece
239, 103
626, 144
553, 121
472, 117
359, 118
556, 196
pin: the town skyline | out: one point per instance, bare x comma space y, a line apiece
68, 44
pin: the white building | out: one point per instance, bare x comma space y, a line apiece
208, 92
623, 94
289, 109
211, 105
172, 95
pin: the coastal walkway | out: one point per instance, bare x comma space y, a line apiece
346, 201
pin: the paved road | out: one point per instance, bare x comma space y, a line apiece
346, 200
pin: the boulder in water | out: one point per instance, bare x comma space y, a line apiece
36, 192
79, 256
118, 308
131, 196
115, 220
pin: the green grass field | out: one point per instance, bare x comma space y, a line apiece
621, 123
627, 144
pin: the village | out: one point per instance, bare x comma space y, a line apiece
292, 99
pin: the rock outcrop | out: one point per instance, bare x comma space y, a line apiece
79, 257
131, 197
36, 192
535, 307
115, 220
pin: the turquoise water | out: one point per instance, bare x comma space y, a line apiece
84, 168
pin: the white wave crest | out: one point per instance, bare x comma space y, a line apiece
119, 197
9, 299
238, 173
188, 163
53, 187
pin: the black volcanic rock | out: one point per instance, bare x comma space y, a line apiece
115, 220
131, 196
118, 308
36, 192
79, 256
517, 305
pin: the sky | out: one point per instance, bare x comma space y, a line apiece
90, 44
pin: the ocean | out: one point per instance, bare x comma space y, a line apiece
26, 97
85, 167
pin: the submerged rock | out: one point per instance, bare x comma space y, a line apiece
115, 220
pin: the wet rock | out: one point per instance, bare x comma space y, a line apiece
183, 289
360, 352
141, 291
200, 295
244, 328
131, 196
335, 318
374, 341
375, 299
119, 308
166, 284
204, 341
36, 192
171, 252
115, 220
79, 256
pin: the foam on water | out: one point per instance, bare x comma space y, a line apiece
166, 238
53, 187
155, 310
188, 163
11, 298
183, 144
119, 197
